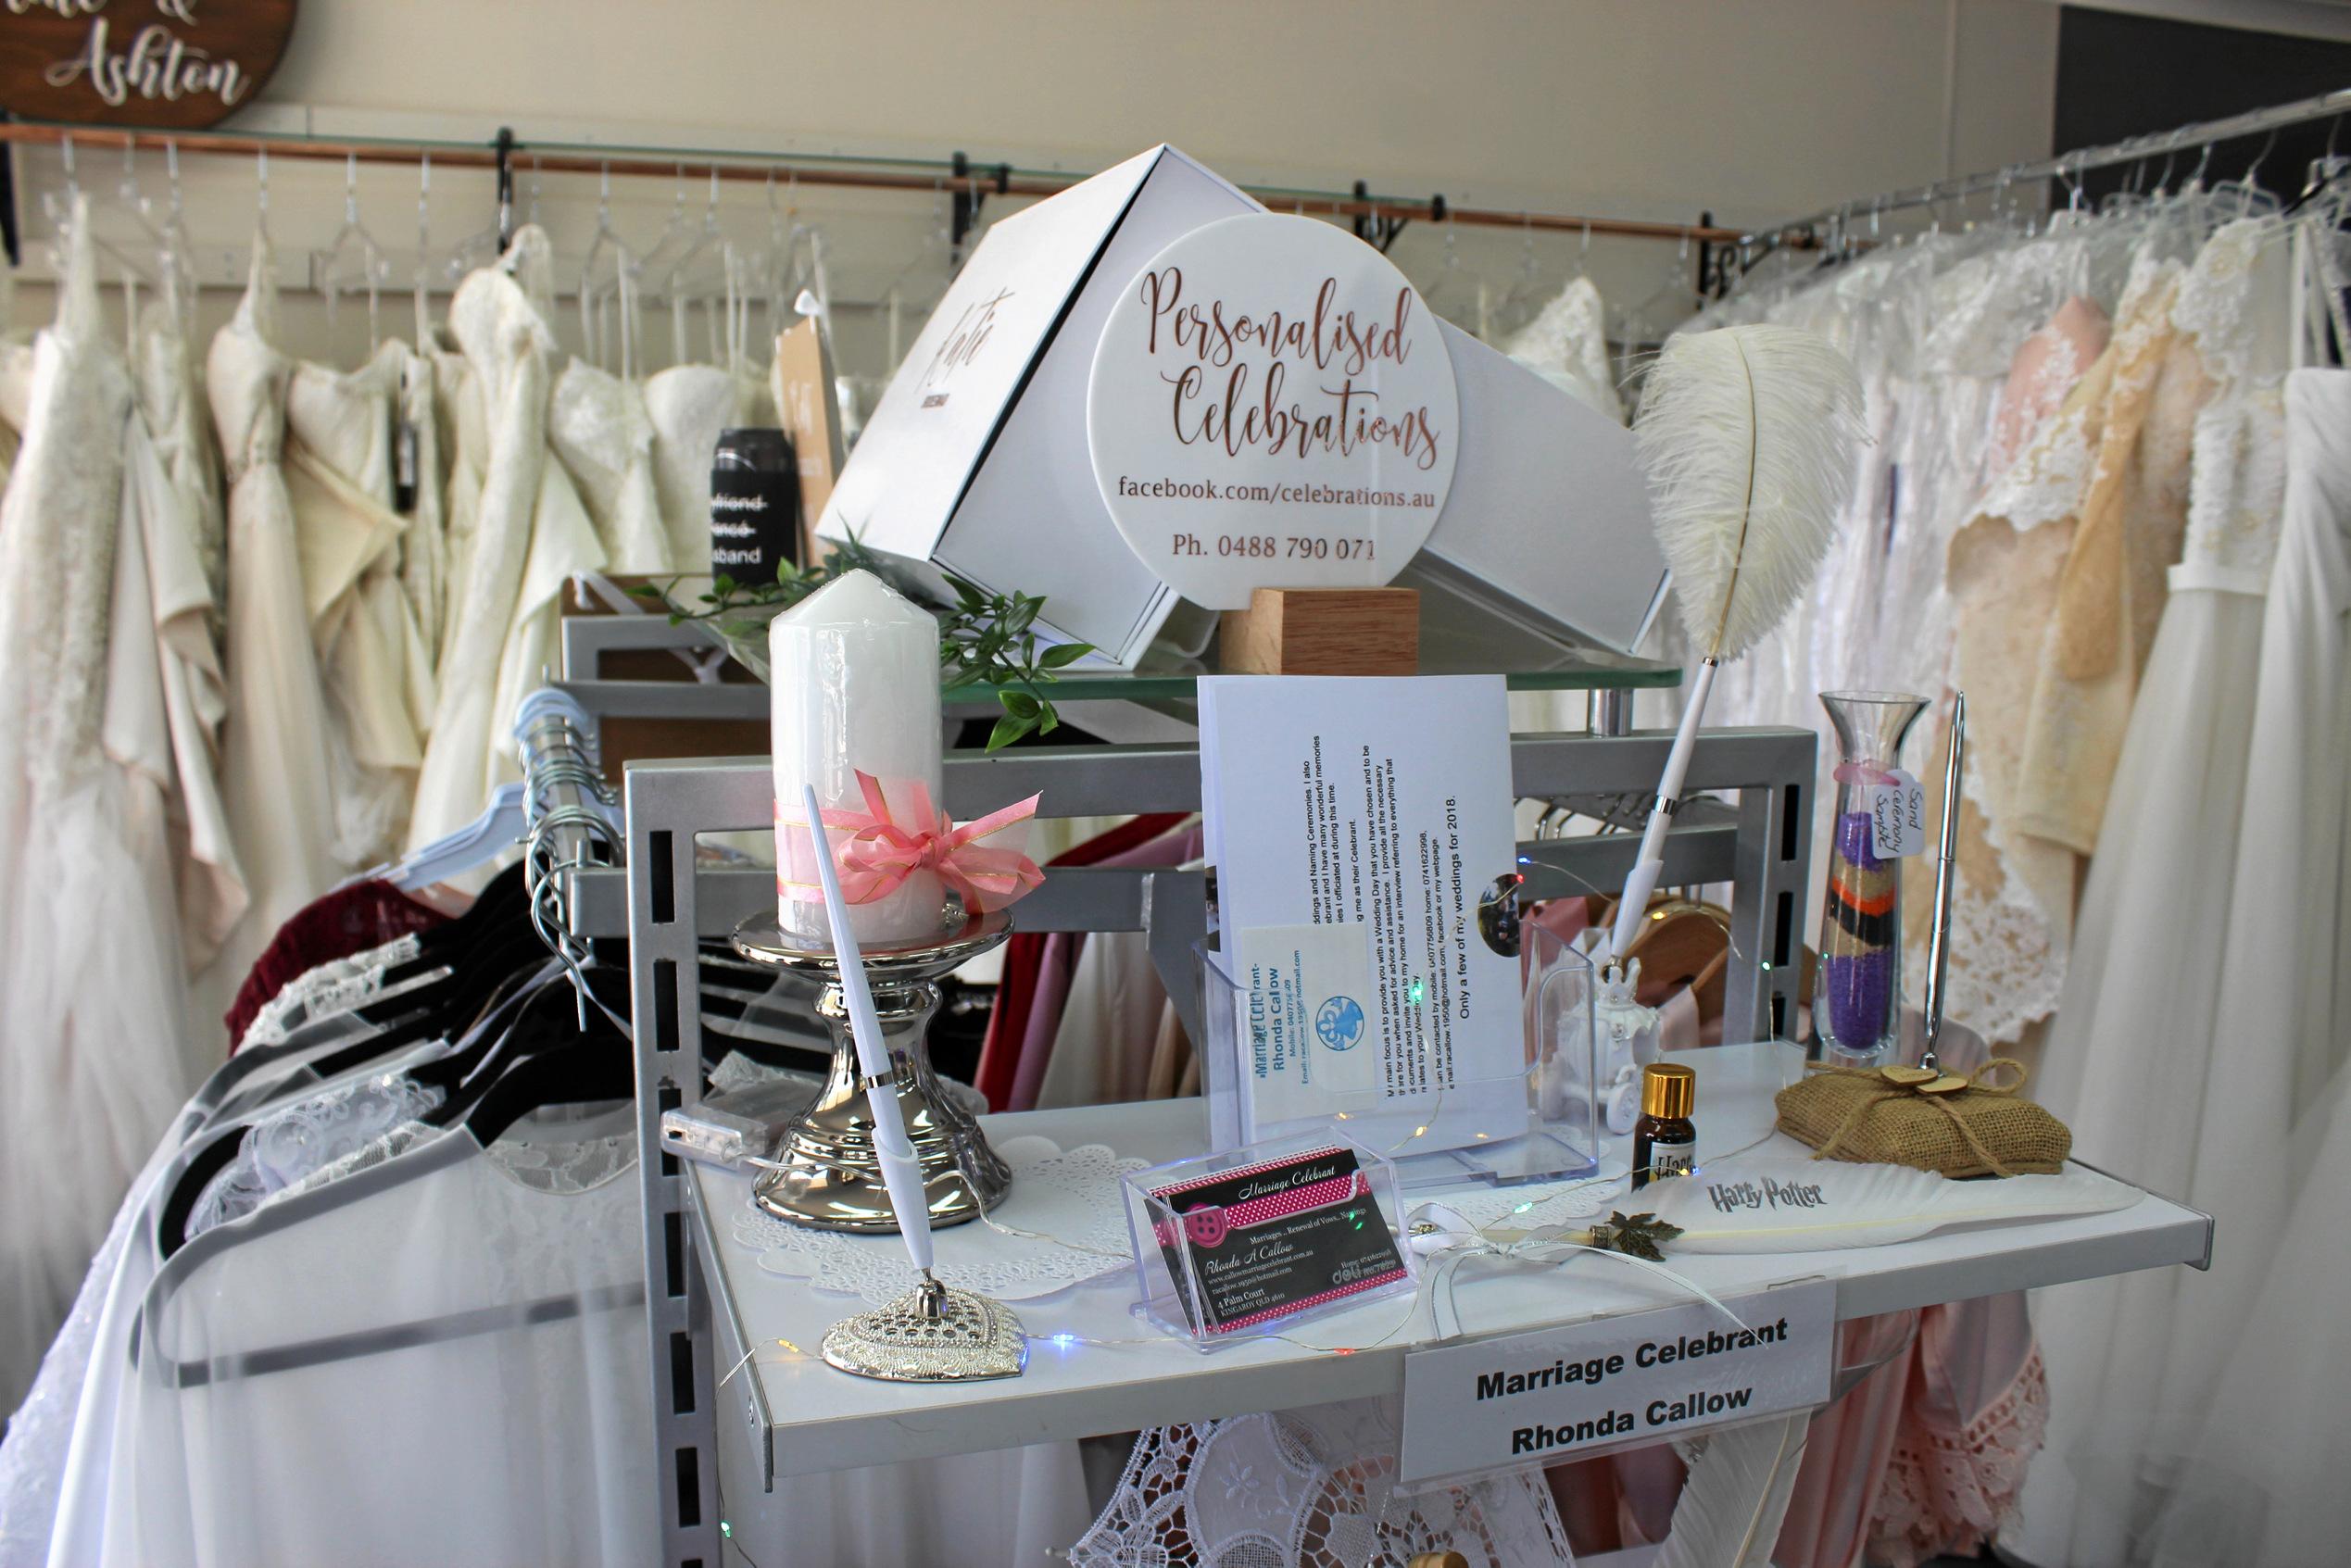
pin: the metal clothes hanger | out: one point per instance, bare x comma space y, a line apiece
128, 271
656, 262
180, 265
937, 250
697, 276
1448, 293
351, 259
135, 203
608, 303
1519, 306
417, 277
2325, 173
814, 295
2249, 197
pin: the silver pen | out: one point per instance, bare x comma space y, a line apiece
1939, 935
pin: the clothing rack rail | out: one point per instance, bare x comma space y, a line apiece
1375, 217
1828, 224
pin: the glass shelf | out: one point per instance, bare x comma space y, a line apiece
1538, 665
1458, 636
1574, 669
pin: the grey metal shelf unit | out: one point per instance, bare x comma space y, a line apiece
666, 904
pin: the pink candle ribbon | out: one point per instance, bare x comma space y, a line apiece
885, 846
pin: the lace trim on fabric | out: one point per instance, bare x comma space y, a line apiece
1288, 1491
335, 987
565, 1169
1948, 1494
2215, 304
290, 1144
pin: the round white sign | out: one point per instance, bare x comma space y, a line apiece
1272, 407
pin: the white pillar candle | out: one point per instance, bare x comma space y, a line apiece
853, 671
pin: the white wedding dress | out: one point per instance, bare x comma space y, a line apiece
341, 433
2261, 1486
426, 1352
190, 606
1567, 344
599, 428
529, 533
91, 1059
2132, 1360
274, 773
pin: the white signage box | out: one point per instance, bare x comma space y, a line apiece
975, 460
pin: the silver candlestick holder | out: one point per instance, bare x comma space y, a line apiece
827, 1174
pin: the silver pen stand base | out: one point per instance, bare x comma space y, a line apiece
829, 1176
933, 1334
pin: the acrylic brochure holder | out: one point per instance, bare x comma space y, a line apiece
1334, 1203
1546, 1126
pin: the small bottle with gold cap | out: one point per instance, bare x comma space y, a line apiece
1664, 1139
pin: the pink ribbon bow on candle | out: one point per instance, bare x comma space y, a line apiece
881, 851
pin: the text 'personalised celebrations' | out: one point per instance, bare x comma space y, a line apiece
1272, 406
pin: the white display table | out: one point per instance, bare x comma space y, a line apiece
788, 1414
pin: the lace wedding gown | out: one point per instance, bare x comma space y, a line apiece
2089, 510
2132, 1360
599, 429
91, 1062
1567, 344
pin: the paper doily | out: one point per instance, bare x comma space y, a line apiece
1073, 1196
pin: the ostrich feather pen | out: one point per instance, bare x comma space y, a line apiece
1747, 437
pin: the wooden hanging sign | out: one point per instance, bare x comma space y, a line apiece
177, 65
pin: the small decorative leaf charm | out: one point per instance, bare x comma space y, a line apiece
1637, 1236
1908, 1078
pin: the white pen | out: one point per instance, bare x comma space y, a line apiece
900, 1173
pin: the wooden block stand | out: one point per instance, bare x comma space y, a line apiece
1325, 631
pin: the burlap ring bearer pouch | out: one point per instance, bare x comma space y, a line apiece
1940, 1122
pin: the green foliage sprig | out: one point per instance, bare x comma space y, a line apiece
984, 638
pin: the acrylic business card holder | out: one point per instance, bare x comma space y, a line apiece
1168, 1282
1547, 1124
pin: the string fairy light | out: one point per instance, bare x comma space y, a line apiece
1530, 1248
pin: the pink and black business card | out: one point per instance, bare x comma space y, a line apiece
1277, 1239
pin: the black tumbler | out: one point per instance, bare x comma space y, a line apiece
754, 505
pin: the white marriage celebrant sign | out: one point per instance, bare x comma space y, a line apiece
1529, 1399
1272, 406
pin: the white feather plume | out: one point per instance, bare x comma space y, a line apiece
1847, 1204
1737, 1495
1747, 436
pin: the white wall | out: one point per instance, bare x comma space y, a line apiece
1751, 108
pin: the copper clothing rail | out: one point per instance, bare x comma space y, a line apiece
966, 180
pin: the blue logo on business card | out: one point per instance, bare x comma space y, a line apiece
1339, 1023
